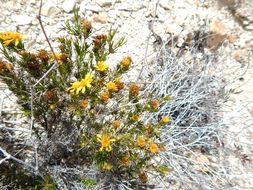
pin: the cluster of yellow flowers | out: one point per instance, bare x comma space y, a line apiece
114, 86
141, 142
126, 134
11, 38
108, 113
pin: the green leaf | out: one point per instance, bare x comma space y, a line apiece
162, 169
88, 182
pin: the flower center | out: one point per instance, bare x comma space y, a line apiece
105, 141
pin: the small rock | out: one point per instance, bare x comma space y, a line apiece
12, 28
49, 9
125, 14
215, 40
174, 28
93, 8
22, 19
151, 13
2, 19
237, 55
218, 27
9, 5
159, 29
244, 14
202, 161
113, 13
33, 2
232, 38
251, 111
68, 5
101, 18
104, 3
218, 34
164, 4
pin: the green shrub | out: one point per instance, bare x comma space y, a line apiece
83, 113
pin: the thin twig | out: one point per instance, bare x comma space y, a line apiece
149, 36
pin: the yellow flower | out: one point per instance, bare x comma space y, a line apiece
84, 103
111, 86
60, 57
101, 66
81, 85
135, 117
116, 124
11, 37
105, 142
153, 148
57, 56
165, 119
141, 142
125, 63
104, 96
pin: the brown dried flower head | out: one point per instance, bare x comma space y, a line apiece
134, 89
49, 94
33, 66
116, 124
119, 85
64, 57
99, 39
143, 177
43, 55
62, 48
154, 103
84, 103
86, 25
125, 160
104, 96
5, 66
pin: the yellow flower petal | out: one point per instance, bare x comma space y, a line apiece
101, 66
7, 42
8, 37
99, 137
83, 90
108, 148
80, 86
16, 42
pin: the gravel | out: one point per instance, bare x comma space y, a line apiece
172, 18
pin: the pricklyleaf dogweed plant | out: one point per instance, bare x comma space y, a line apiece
84, 110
